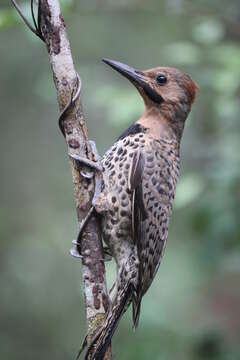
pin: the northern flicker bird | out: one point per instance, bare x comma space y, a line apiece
140, 173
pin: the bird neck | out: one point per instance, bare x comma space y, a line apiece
157, 125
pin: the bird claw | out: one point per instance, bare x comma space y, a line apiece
86, 175
92, 164
107, 254
94, 150
75, 242
74, 253
97, 167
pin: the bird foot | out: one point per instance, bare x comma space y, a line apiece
84, 161
93, 165
75, 252
107, 255
97, 173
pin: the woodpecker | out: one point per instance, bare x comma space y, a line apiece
140, 173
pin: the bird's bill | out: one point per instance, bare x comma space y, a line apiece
138, 78
127, 71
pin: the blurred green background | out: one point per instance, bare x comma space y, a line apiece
192, 310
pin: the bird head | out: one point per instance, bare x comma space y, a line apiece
168, 90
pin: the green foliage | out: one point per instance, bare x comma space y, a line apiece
7, 18
191, 311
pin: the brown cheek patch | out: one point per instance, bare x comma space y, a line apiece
192, 88
171, 92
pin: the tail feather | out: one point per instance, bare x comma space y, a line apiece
136, 304
100, 344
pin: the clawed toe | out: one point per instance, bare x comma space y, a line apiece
92, 164
74, 252
107, 254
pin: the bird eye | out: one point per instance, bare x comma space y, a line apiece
161, 79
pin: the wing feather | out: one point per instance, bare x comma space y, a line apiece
149, 226
139, 215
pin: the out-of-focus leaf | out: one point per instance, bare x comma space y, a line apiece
231, 262
189, 188
226, 55
7, 18
123, 106
183, 53
226, 81
227, 109
208, 31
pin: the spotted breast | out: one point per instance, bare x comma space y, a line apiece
140, 175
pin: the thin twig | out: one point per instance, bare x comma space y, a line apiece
33, 15
34, 30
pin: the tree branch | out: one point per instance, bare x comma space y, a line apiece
50, 27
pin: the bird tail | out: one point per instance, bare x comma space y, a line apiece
136, 307
102, 340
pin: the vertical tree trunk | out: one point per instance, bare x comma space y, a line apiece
50, 27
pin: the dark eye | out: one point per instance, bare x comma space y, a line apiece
161, 79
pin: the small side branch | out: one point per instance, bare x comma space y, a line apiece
35, 29
50, 28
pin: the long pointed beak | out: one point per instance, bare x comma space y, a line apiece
130, 73
138, 78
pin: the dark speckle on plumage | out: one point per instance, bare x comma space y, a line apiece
140, 175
